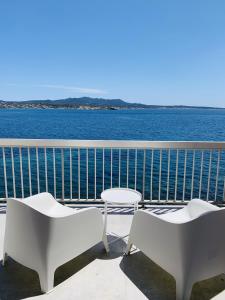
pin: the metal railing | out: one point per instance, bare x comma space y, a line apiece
78, 170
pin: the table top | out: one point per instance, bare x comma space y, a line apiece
121, 196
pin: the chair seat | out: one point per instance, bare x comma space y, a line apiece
60, 211
177, 217
193, 210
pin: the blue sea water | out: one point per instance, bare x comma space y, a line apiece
151, 124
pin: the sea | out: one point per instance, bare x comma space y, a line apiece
146, 124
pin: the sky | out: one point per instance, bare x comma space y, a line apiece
149, 51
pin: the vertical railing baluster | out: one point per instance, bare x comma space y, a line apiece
128, 154
143, 175
29, 170
193, 174
62, 170
175, 193
78, 157
201, 173
54, 173
119, 165
13, 173
46, 170
135, 170
37, 167
103, 169
111, 166
95, 171
168, 177
71, 176
87, 171
5, 173
209, 175
185, 167
152, 164
184, 178
217, 174
160, 174
21, 172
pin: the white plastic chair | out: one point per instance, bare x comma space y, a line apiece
42, 234
189, 244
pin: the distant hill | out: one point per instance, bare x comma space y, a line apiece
89, 101
86, 103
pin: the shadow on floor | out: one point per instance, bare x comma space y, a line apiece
151, 280
156, 283
18, 282
117, 247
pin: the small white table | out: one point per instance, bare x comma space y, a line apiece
120, 196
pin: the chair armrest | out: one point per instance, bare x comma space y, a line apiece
162, 241
78, 222
72, 235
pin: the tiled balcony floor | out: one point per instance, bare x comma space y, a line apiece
94, 275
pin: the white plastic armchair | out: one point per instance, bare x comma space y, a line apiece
188, 243
42, 234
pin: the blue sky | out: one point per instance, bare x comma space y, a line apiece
151, 51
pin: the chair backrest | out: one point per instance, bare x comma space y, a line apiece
26, 231
27, 217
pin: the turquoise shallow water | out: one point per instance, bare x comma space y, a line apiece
152, 124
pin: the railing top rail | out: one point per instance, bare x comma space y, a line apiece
53, 143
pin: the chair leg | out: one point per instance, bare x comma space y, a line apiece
105, 242
183, 289
46, 281
5, 256
129, 246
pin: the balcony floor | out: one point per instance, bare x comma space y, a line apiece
94, 275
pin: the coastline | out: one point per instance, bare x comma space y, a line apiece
89, 107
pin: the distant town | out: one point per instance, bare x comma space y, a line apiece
87, 103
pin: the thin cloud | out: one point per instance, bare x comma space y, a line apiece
82, 90
73, 88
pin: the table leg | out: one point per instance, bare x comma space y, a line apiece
105, 240
105, 217
135, 207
